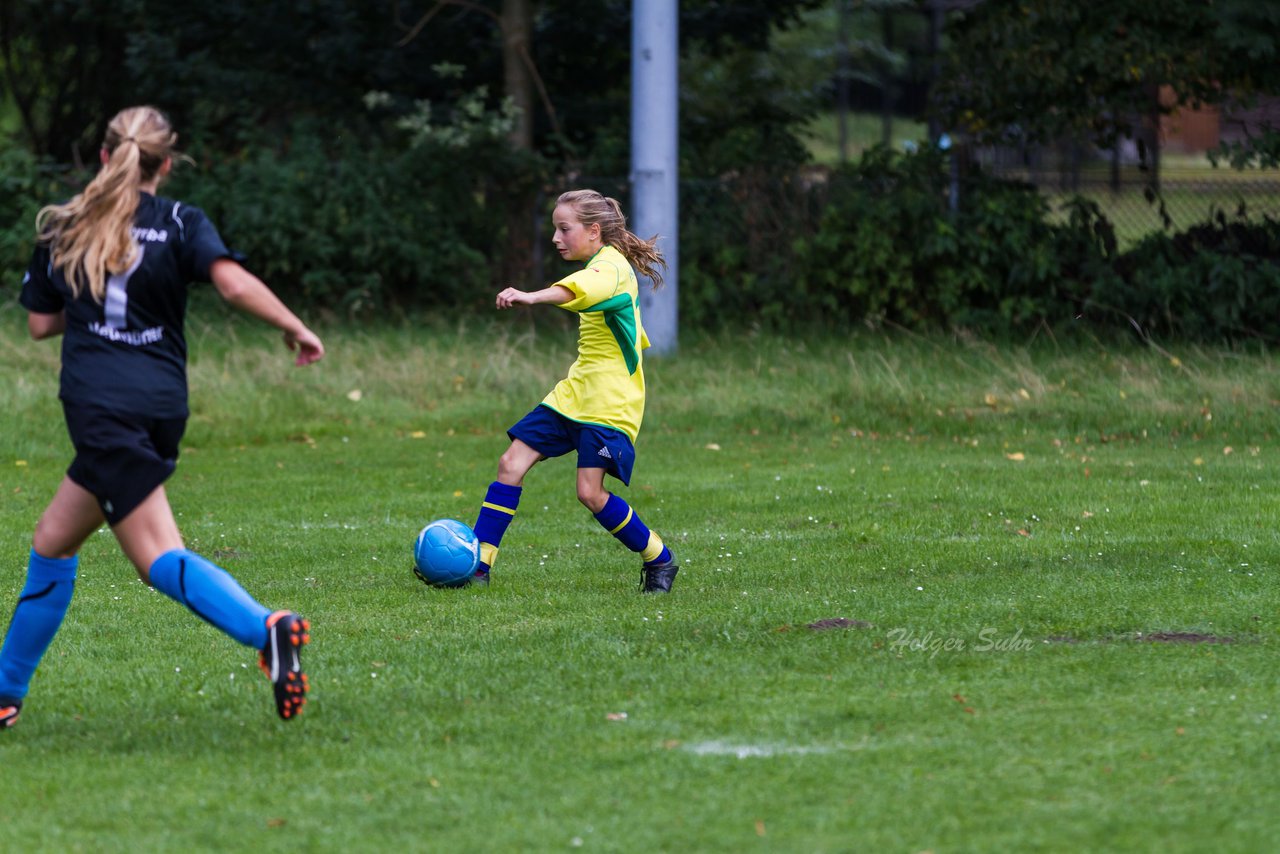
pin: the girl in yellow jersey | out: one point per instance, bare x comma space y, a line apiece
596, 410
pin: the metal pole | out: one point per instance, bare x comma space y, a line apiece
654, 157
842, 79
935, 60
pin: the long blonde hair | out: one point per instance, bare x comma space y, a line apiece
592, 207
90, 236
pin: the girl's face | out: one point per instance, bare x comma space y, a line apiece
576, 242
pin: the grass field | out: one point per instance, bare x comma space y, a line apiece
936, 595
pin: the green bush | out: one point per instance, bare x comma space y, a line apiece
1216, 281
25, 186
736, 260
891, 247
878, 242
344, 224
352, 224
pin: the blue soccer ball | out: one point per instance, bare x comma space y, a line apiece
446, 554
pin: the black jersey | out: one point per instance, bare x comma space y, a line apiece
128, 353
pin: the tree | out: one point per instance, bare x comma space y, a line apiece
1036, 71
52, 56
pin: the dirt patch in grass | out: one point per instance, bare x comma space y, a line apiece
839, 623
1184, 637
1151, 637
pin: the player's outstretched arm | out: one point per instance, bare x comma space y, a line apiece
557, 294
43, 326
248, 293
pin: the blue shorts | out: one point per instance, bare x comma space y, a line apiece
552, 435
121, 459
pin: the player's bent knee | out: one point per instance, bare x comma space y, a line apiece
513, 466
593, 499
50, 543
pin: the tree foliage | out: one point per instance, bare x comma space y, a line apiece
57, 59
1041, 70
245, 69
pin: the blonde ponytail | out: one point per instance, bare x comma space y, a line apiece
90, 236
592, 207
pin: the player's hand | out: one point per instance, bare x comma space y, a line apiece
513, 296
307, 344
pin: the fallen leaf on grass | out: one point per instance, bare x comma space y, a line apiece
1016, 456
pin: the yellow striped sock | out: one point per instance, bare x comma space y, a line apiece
653, 549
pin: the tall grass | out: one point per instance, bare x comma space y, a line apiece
936, 593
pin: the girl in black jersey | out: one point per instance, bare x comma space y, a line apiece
110, 274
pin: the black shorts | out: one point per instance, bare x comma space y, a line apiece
121, 458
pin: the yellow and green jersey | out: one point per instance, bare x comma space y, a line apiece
605, 386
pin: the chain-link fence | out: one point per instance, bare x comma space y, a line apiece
1139, 199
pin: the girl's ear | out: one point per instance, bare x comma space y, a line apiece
103, 155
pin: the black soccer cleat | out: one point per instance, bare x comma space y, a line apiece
9, 711
658, 577
480, 579
287, 634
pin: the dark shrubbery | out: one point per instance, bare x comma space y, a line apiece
25, 186
889, 247
878, 242
1216, 281
356, 225
349, 224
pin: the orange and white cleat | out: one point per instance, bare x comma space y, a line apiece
9, 711
287, 634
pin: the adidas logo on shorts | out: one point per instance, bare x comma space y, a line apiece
604, 452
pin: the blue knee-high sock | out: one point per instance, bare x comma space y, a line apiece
619, 519
41, 607
212, 594
499, 508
